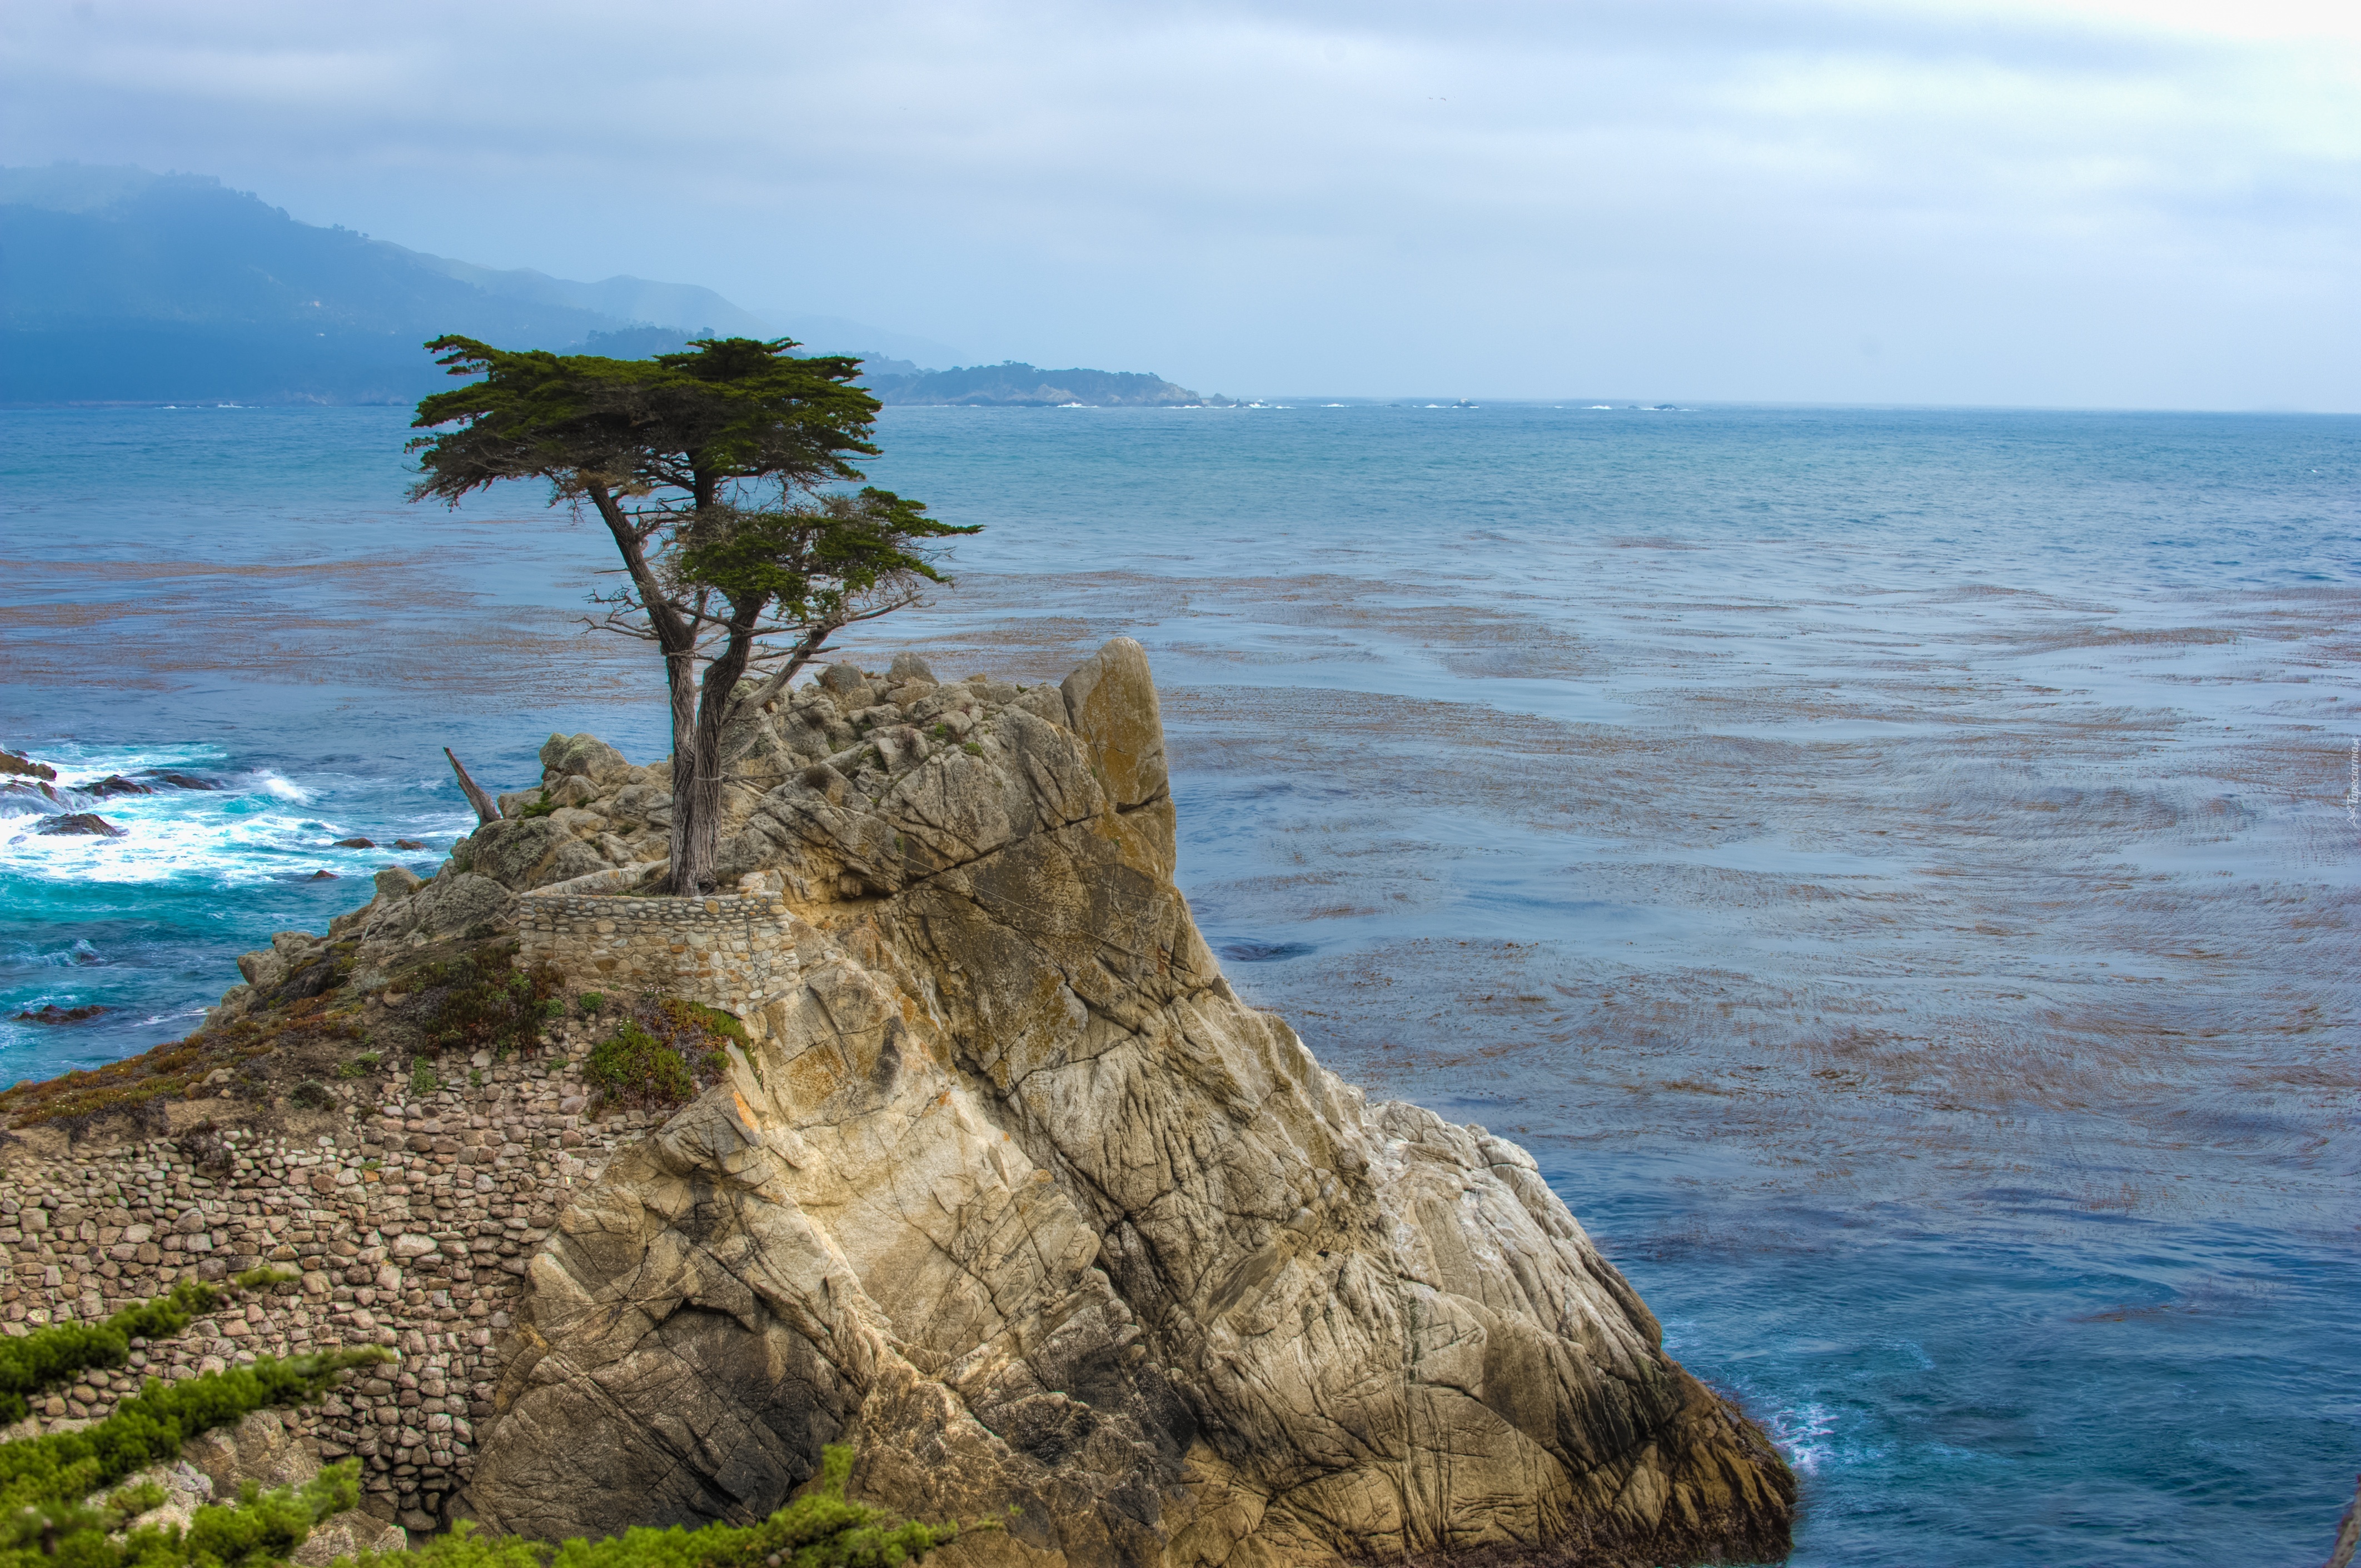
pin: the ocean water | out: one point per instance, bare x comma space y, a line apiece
1894, 869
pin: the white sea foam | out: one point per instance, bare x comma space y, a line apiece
76, 955
1806, 1434
260, 825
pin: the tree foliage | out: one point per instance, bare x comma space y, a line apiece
707, 467
723, 409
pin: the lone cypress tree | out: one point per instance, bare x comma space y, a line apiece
706, 466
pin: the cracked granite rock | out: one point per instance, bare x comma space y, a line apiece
1017, 1197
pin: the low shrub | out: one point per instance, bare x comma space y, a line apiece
47, 1522
149, 1427
633, 1065
818, 1529
695, 1016
51, 1356
261, 1528
480, 1001
666, 1049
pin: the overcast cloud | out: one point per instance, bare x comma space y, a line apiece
2119, 204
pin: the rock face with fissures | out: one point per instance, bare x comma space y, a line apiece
1011, 1193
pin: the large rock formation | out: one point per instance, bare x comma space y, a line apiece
1014, 1195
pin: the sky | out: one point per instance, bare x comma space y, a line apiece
2103, 203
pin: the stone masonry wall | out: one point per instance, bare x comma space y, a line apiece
731, 951
410, 1224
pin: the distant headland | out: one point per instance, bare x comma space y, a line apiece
122, 286
1017, 385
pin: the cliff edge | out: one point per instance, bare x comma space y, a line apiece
1008, 1189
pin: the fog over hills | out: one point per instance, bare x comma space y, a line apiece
117, 285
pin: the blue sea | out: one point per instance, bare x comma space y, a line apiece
1896, 869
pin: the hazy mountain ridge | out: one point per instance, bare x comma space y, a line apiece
623, 297
118, 285
185, 249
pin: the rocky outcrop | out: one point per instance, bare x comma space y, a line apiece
85, 824
1010, 1190
53, 1014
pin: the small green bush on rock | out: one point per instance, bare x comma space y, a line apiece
262, 1528
695, 1015
480, 1001
633, 1065
664, 1051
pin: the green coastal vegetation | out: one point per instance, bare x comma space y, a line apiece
75, 1499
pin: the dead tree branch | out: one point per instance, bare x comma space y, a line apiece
485, 812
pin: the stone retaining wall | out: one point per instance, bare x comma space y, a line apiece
729, 951
410, 1224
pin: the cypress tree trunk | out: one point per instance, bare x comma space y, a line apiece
694, 804
696, 737
694, 808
